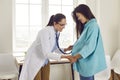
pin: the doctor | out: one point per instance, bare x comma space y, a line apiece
36, 65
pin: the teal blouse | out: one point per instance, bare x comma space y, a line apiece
90, 47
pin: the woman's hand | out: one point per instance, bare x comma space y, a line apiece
72, 59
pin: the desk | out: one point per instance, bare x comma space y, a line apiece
20, 60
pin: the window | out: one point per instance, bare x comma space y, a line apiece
65, 7
27, 23
33, 15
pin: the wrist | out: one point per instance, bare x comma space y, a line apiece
63, 56
77, 56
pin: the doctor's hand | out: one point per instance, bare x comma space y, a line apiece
68, 48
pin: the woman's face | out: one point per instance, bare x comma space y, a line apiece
81, 18
60, 25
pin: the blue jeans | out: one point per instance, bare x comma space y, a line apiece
86, 78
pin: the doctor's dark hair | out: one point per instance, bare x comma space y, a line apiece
86, 12
55, 18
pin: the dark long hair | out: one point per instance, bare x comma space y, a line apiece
86, 12
55, 18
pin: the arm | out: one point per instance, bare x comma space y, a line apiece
69, 57
72, 59
63, 49
45, 47
90, 42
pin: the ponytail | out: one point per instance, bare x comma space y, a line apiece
50, 23
55, 18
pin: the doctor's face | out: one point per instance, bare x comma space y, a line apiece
60, 25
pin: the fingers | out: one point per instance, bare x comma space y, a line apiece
70, 47
72, 59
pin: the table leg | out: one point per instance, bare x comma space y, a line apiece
72, 71
20, 68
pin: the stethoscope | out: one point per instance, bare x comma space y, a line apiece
57, 42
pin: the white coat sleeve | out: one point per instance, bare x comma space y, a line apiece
58, 51
44, 38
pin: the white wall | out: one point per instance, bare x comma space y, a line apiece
107, 13
5, 26
119, 37
119, 28
109, 21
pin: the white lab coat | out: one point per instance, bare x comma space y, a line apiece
39, 52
